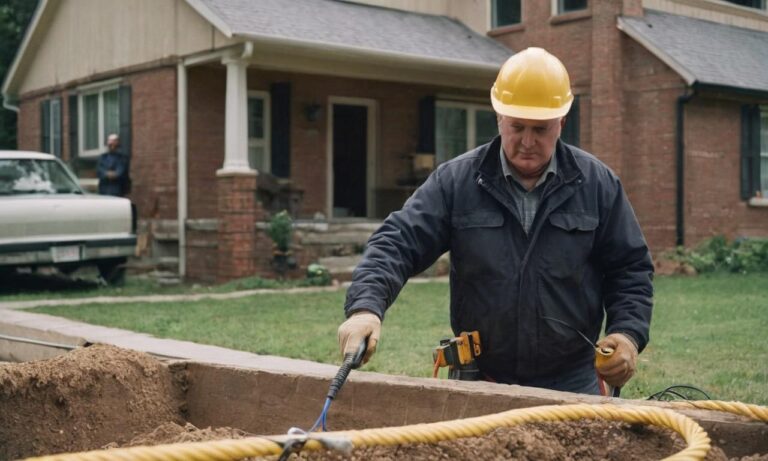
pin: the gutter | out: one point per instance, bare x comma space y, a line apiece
8, 105
682, 100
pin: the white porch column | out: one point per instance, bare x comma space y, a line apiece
236, 119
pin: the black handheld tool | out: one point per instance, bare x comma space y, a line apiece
352, 360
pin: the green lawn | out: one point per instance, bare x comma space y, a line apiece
708, 331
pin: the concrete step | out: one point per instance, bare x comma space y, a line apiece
341, 267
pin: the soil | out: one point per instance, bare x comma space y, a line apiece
83, 400
106, 397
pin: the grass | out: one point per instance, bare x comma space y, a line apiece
25, 287
708, 331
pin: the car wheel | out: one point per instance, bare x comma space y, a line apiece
112, 271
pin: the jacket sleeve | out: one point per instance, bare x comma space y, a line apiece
627, 267
121, 166
101, 168
407, 243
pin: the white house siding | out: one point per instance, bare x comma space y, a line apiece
87, 37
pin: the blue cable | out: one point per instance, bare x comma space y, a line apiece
321, 420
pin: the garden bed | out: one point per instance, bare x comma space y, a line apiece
105, 397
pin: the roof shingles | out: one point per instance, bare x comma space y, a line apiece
713, 53
362, 26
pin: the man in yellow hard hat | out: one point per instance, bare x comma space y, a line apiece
544, 245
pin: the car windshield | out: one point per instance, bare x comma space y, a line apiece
35, 176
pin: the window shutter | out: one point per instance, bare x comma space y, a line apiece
124, 93
45, 126
280, 95
74, 146
427, 125
750, 150
56, 128
570, 132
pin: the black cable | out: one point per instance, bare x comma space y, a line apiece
671, 391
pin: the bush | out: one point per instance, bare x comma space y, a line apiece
280, 230
318, 275
716, 254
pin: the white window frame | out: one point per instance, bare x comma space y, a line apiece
266, 141
471, 109
54, 111
89, 90
557, 8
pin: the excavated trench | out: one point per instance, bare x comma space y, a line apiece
106, 397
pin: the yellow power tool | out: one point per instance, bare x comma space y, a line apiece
458, 354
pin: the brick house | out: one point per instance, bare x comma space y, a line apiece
336, 110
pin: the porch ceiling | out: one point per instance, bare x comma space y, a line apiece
343, 38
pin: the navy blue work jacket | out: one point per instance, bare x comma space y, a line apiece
584, 259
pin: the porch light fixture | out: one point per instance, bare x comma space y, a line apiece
312, 112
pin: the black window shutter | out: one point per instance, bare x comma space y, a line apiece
280, 95
750, 150
427, 125
570, 132
56, 128
125, 119
74, 146
45, 126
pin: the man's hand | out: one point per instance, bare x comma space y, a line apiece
617, 370
360, 325
111, 174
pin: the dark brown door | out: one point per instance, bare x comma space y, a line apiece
350, 143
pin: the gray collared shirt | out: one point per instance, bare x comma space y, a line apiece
527, 201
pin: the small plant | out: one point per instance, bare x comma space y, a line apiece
280, 230
318, 275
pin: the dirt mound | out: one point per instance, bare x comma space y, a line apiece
576, 440
83, 400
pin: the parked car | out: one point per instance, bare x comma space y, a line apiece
46, 219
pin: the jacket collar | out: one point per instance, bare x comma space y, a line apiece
490, 163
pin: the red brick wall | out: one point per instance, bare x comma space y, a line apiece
397, 129
650, 91
205, 143
712, 174
153, 118
153, 162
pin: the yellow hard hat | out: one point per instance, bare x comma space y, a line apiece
532, 84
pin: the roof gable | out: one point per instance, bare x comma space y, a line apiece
704, 52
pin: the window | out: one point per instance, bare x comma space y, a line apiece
570, 132
99, 116
460, 127
505, 12
754, 152
759, 4
50, 129
566, 6
259, 152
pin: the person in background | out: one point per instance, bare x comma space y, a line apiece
544, 245
114, 169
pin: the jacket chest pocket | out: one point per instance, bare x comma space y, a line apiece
569, 242
478, 246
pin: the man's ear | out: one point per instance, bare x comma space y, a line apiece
562, 122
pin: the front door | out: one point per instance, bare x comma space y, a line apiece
350, 156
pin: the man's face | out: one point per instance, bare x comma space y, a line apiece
529, 144
113, 142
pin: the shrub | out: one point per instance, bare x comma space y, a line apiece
280, 230
318, 275
716, 254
